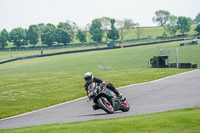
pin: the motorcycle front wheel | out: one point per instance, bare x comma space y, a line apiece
105, 105
125, 106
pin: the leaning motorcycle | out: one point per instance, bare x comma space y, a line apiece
106, 99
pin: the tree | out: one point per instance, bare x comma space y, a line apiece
70, 27
74, 29
48, 34
62, 36
105, 21
197, 29
162, 18
113, 33
191, 20
87, 28
40, 28
65, 26
18, 37
4, 37
81, 35
197, 19
124, 27
32, 35
96, 31
139, 31
184, 24
172, 26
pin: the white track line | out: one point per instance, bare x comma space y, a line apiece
53, 106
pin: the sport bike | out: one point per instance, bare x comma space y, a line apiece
106, 99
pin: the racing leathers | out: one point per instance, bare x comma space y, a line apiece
103, 82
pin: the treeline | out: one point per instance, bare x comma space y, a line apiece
66, 32
172, 23
105, 27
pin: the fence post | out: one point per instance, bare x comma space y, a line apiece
177, 58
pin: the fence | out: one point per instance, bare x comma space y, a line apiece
32, 54
102, 44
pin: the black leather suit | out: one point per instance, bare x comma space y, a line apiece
101, 81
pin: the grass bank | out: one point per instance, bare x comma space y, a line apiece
127, 58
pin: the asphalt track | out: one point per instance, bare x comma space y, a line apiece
174, 92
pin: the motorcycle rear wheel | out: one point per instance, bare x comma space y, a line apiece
105, 105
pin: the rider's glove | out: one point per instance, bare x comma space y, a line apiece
89, 100
104, 84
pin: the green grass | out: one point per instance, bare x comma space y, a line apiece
31, 84
127, 58
6, 55
178, 121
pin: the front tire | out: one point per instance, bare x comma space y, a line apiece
125, 106
105, 105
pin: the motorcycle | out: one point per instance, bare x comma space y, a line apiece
106, 99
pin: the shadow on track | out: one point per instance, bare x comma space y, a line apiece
99, 114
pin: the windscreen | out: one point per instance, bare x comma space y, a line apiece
91, 86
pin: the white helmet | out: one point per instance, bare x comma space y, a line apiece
88, 76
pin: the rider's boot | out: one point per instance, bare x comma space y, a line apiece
95, 107
120, 96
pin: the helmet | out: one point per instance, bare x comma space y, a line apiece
88, 76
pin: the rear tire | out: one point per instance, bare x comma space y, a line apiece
105, 105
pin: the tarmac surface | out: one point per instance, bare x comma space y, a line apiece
170, 93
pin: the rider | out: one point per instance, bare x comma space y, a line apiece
89, 79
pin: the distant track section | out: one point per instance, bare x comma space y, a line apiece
86, 50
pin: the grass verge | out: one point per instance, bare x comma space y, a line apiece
178, 121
